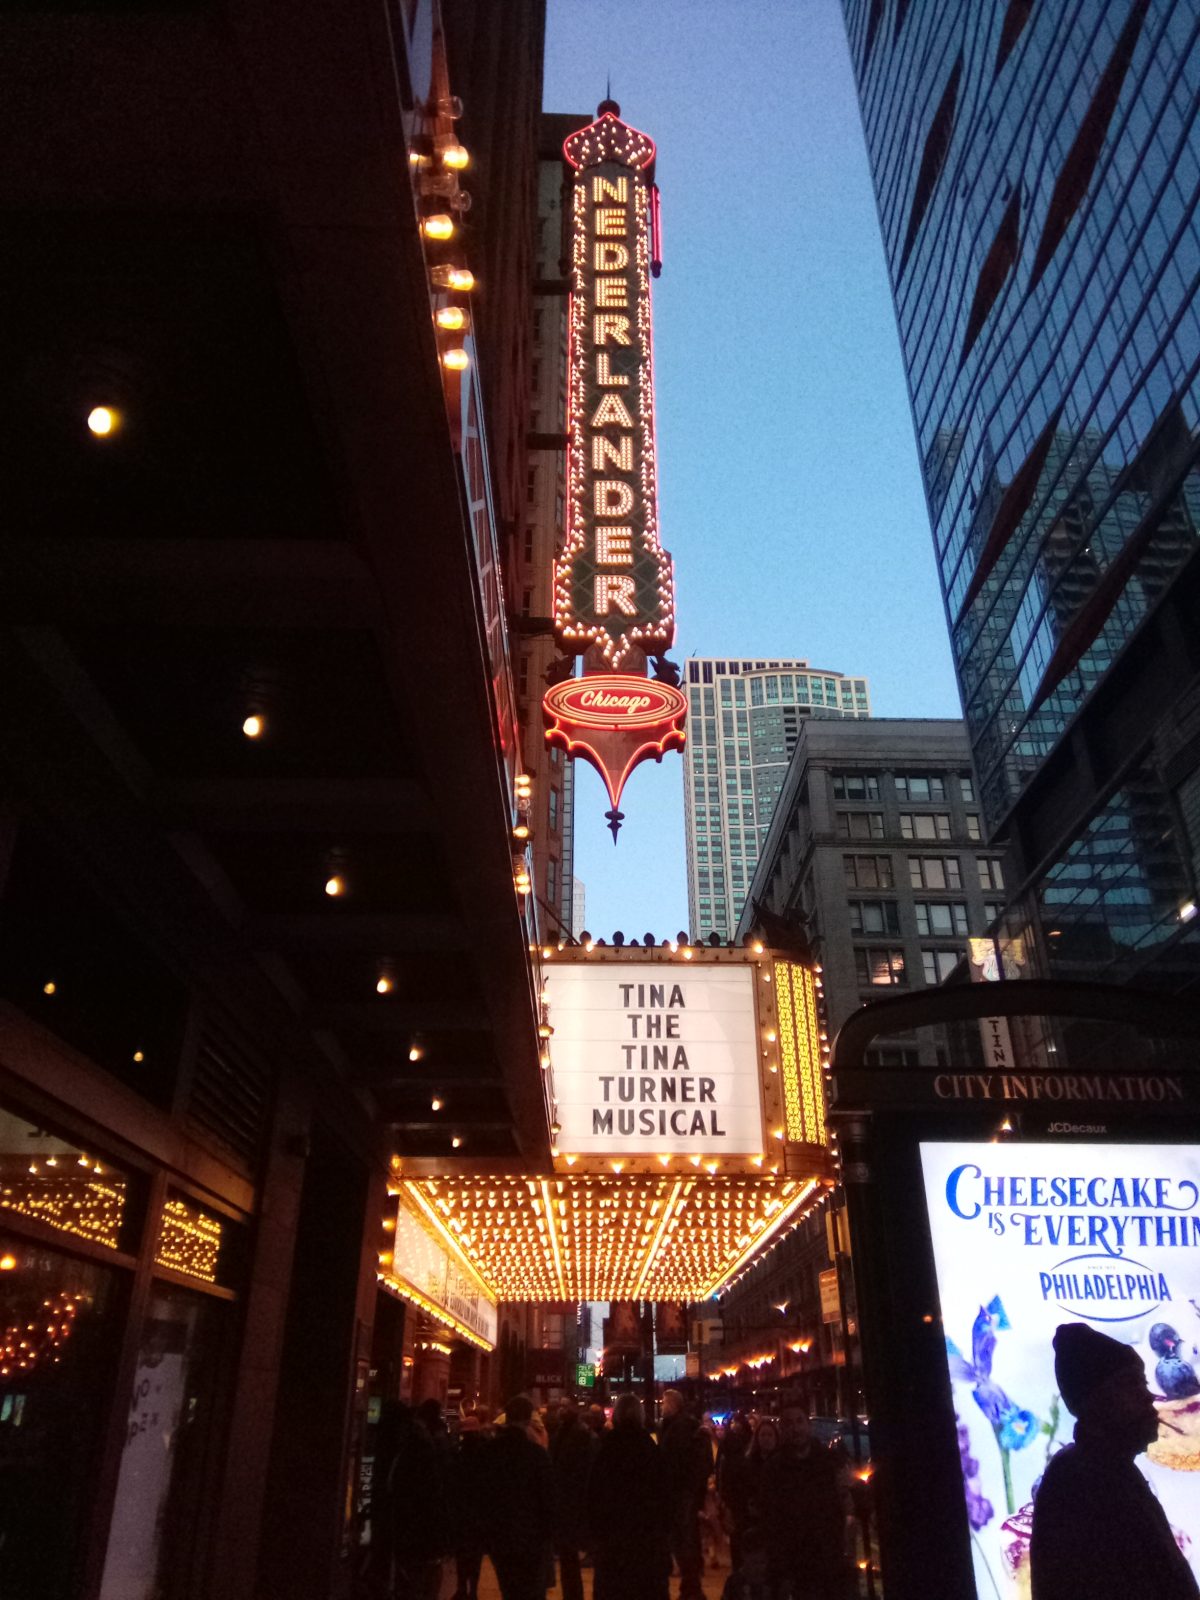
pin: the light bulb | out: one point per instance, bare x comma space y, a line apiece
253, 726
456, 360
50, 988
453, 318
383, 984
438, 226
103, 421
456, 157
335, 886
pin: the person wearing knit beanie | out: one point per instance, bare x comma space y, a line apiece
1098, 1530
1084, 1358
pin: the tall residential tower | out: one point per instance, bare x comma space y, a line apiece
744, 720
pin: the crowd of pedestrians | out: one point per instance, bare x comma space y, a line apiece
544, 1496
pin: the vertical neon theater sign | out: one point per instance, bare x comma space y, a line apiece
614, 598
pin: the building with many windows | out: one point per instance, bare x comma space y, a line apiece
744, 718
875, 851
1037, 173
261, 925
539, 521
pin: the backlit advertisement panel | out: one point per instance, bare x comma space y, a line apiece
1029, 1236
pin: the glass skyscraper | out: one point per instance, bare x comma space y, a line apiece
1037, 169
743, 722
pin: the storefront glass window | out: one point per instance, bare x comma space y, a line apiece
56, 1183
170, 1414
60, 1326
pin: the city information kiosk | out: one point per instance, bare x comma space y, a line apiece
987, 1206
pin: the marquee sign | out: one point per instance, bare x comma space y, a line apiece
656, 1060
613, 583
710, 1054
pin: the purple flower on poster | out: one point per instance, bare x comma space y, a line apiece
979, 1507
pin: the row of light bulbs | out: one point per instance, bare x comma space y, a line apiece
436, 170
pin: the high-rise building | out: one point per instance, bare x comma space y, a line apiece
540, 520
876, 853
744, 719
1037, 172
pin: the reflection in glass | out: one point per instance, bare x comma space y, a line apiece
59, 1184
60, 1325
190, 1240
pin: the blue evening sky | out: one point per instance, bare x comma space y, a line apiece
790, 495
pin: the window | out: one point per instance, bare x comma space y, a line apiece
552, 879
933, 158
938, 964
997, 264
869, 872
860, 824
919, 787
941, 918
553, 809
855, 786
892, 1056
934, 872
874, 916
967, 785
877, 967
991, 874
934, 825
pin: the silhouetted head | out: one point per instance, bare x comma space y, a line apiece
518, 1411
1103, 1382
628, 1416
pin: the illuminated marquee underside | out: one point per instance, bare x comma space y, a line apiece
674, 1236
613, 583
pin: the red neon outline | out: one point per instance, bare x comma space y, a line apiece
652, 635
563, 725
672, 700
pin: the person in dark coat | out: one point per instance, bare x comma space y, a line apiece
572, 1450
806, 1510
1098, 1531
732, 1476
519, 1506
468, 1489
628, 1509
687, 1456
416, 1509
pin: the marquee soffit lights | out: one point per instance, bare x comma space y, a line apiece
588, 1237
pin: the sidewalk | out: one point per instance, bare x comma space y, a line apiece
714, 1582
